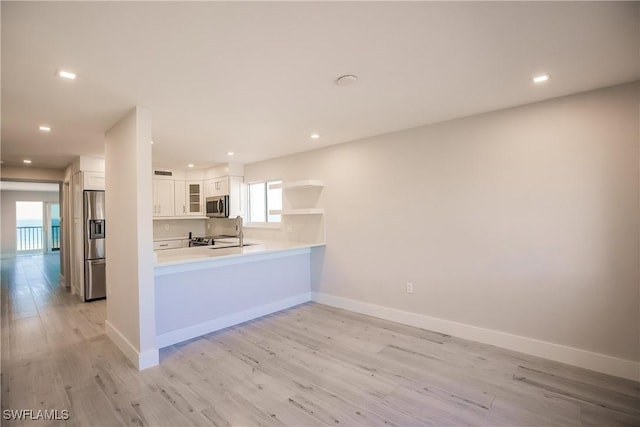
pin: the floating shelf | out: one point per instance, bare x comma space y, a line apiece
306, 211
305, 183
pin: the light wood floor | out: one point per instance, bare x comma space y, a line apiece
307, 366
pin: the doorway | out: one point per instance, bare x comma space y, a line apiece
37, 227
29, 227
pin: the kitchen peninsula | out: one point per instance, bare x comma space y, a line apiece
199, 290
222, 279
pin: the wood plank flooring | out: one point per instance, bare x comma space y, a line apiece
307, 366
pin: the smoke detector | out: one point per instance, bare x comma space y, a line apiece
346, 80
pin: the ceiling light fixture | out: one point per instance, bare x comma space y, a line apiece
45, 128
151, 142
67, 75
314, 136
346, 80
27, 161
541, 78
230, 153
190, 165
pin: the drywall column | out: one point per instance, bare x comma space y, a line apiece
129, 243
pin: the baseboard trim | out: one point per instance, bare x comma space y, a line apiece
62, 281
189, 332
572, 356
141, 360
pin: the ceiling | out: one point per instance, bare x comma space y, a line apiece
258, 78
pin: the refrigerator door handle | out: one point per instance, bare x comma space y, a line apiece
88, 291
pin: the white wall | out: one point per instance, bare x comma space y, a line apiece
31, 174
523, 221
85, 163
8, 214
129, 244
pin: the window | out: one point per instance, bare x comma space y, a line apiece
29, 222
262, 199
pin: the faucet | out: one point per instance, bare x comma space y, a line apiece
239, 232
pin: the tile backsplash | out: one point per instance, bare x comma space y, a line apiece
219, 226
178, 228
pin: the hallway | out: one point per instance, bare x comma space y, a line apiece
46, 317
45, 331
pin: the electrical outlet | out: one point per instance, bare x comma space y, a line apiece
409, 287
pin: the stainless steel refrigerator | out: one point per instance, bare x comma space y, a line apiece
95, 284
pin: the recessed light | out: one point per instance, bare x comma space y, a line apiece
541, 78
314, 136
190, 165
151, 142
230, 153
67, 75
27, 161
346, 80
45, 128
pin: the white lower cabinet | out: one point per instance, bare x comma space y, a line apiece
168, 244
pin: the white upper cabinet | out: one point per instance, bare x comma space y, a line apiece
208, 187
194, 195
216, 187
188, 199
180, 198
93, 180
163, 198
181, 194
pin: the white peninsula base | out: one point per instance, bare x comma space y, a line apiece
196, 298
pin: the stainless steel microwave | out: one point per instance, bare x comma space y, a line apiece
217, 207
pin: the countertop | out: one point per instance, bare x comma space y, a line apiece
184, 259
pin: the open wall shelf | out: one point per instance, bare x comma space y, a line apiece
305, 183
305, 211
